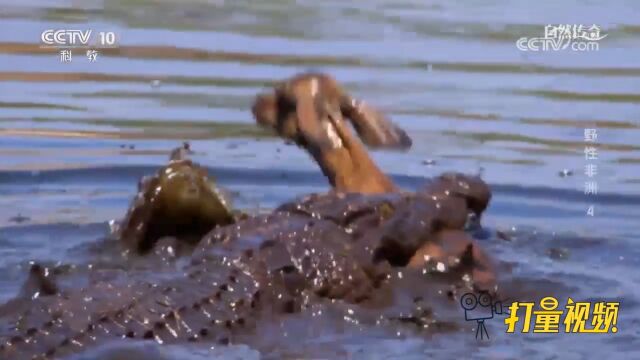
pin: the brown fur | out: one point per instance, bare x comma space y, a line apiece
295, 112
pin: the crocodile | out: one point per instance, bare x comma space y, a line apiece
371, 251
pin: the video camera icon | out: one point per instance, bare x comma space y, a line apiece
486, 310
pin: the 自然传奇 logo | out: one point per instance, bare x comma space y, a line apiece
561, 37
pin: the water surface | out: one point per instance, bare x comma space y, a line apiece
75, 137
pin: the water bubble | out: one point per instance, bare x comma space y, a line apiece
113, 226
565, 173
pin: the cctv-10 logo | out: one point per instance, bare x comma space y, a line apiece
76, 38
577, 317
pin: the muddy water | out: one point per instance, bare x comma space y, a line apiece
75, 137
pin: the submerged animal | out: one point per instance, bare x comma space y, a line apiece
181, 200
394, 257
